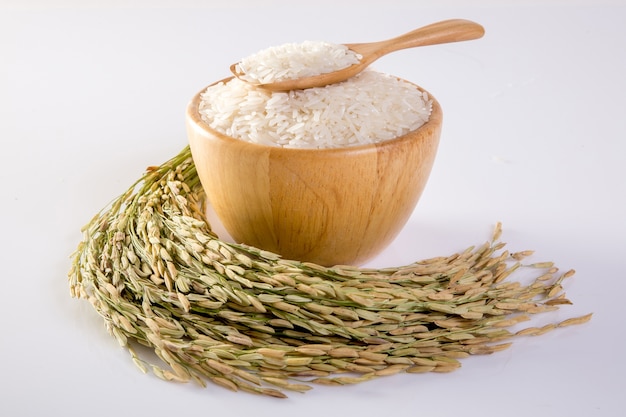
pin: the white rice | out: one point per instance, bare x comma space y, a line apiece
296, 60
368, 108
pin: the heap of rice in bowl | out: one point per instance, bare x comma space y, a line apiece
368, 108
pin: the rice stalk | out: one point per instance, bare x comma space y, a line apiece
246, 319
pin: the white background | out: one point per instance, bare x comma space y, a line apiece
91, 93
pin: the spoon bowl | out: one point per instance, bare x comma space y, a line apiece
447, 31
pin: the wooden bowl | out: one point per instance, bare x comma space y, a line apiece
328, 206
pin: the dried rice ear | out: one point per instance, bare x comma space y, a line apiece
246, 319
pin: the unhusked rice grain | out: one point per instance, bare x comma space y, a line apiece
368, 108
296, 60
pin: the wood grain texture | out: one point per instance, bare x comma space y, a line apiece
330, 206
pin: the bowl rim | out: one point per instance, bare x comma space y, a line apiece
193, 114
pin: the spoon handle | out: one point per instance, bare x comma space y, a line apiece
446, 31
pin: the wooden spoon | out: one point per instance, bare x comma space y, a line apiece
447, 31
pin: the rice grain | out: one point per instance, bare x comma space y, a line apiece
368, 108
